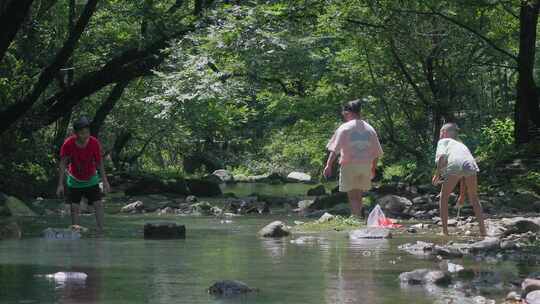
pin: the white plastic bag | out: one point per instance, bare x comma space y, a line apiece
376, 216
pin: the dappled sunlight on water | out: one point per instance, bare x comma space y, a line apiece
124, 268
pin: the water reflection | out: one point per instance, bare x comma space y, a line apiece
75, 290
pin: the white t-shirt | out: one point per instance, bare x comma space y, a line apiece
356, 141
458, 156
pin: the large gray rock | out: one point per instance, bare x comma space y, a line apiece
10, 230
485, 245
224, 175
17, 207
529, 285
533, 297
229, 288
164, 230
134, 207
425, 276
370, 233
275, 229
299, 177
394, 205
326, 218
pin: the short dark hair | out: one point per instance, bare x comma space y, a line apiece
81, 123
353, 106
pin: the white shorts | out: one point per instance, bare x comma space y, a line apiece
355, 177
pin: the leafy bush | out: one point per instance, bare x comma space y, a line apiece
496, 141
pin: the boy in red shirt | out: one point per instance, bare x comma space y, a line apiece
82, 153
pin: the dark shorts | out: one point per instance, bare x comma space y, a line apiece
92, 194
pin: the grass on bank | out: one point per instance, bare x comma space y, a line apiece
338, 223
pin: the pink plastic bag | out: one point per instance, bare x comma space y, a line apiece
378, 219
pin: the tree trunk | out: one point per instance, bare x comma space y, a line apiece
527, 112
107, 107
14, 112
11, 20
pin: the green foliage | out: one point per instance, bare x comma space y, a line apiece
529, 181
496, 141
300, 146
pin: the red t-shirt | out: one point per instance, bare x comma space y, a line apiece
83, 161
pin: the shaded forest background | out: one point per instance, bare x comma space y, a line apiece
179, 87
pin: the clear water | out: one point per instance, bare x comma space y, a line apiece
124, 268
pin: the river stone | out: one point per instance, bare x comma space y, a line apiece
329, 201
275, 229
393, 204
137, 206
229, 288
447, 251
529, 285
17, 207
303, 205
533, 297
488, 244
164, 230
425, 276
224, 175
299, 177
370, 233
419, 248
326, 218
61, 234
10, 230
202, 208
317, 191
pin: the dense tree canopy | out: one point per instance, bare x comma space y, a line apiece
255, 86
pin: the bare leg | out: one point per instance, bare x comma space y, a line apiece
447, 188
75, 214
98, 207
472, 191
355, 199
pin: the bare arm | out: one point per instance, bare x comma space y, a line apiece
61, 176
374, 167
440, 165
330, 164
103, 173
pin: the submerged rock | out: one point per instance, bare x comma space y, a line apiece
229, 288
164, 231
370, 233
425, 276
68, 277
10, 230
61, 234
275, 229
